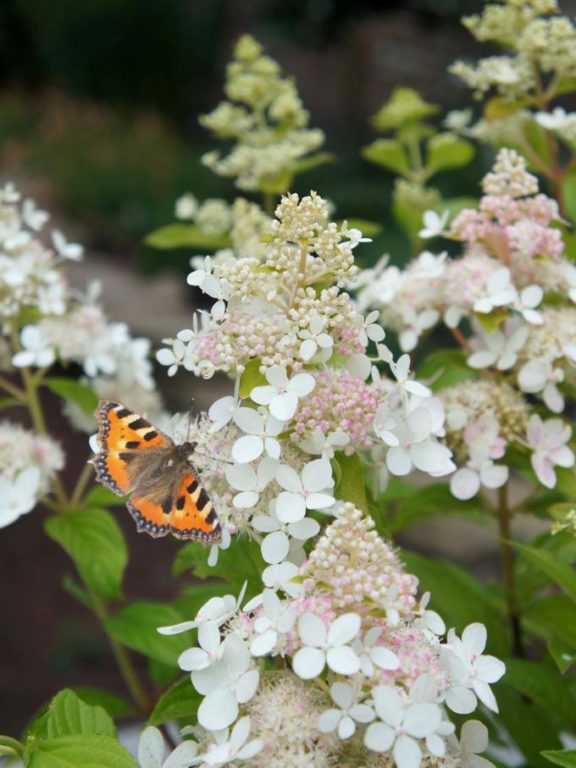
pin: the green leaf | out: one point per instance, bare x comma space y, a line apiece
99, 496
404, 107
554, 618
185, 235
179, 701
8, 402
137, 624
351, 484
94, 541
76, 751
563, 657
528, 724
564, 757
566, 481
251, 377
68, 716
456, 204
444, 368
312, 161
445, 150
569, 193
460, 599
388, 153
541, 684
430, 501
114, 705
241, 562
74, 392
554, 568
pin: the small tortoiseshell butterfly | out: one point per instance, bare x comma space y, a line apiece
137, 458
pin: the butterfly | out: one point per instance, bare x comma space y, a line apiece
166, 497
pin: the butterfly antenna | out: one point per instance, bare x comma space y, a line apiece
214, 458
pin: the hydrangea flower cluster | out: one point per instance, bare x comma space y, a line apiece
310, 383
265, 121
44, 321
360, 675
514, 288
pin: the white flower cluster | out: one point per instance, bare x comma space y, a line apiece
309, 385
27, 465
265, 120
361, 671
515, 290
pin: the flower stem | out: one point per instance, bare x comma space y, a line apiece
39, 423
504, 515
81, 483
11, 389
125, 664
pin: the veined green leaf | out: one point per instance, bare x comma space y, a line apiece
74, 392
68, 716
180, 701
76, 751
137, 624
350, 485
542, 684
554, 618
555, 569
185, 235
564, 757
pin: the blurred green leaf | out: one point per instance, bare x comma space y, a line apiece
430, 501
99, 496
74, 392
404, 107
186, 236
313, 161
388, 153
95, 542
179, 701
553, 618
445, 151
528, 724
564, 757
137, 624
460, 599
562, 655
541, 684
555, 569
350, 484
114, 705
444, 368
251, 377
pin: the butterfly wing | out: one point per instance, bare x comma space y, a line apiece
193, 516
150, 517
122, 435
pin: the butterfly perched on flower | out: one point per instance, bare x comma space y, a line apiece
136, 458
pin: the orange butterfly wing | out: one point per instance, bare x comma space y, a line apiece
193, 515
121, 431
150, 517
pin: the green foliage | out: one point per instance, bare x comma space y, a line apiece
528, 724
180, 701
72, 733
95, 542
444, 368
185, 236
564, 757
389, 154
557, 571
541, 684
418, 504
350, 483
446, 151
136, 626
554, 618
75, 392
115, 705
250, 378
461, 599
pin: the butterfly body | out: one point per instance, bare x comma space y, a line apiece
138, 459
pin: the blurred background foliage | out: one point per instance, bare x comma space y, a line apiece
99, 101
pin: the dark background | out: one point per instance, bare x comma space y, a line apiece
98, 120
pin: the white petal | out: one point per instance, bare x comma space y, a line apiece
344, 629
489, 669
283, 407
245, 500
384, 658
241, 477
342, 695
319, 501
317, 475
275, 547
247, 685
290, 507
398, 461
461, 700
192, 659
151, 748
308, 349
474, 638
494, 476
183, 755
422, 719
362, 713
329, 720
263, 395
247, 449
288, 478
302, 384
379, 737
304, 529
343, 660
407, 753
465, 484
308, 663
346, 728
264, 643
249, 420
218, 710
312, 629
474, 734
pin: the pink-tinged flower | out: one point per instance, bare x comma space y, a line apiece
281, 395
401, 724
500, 348
347, 714
434, 224
315, 338
275, 620
548, 440
323, 645
217, 611
151, 750
37, 349
540, 376
484, 444
500, 292
473, 740
470, 672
